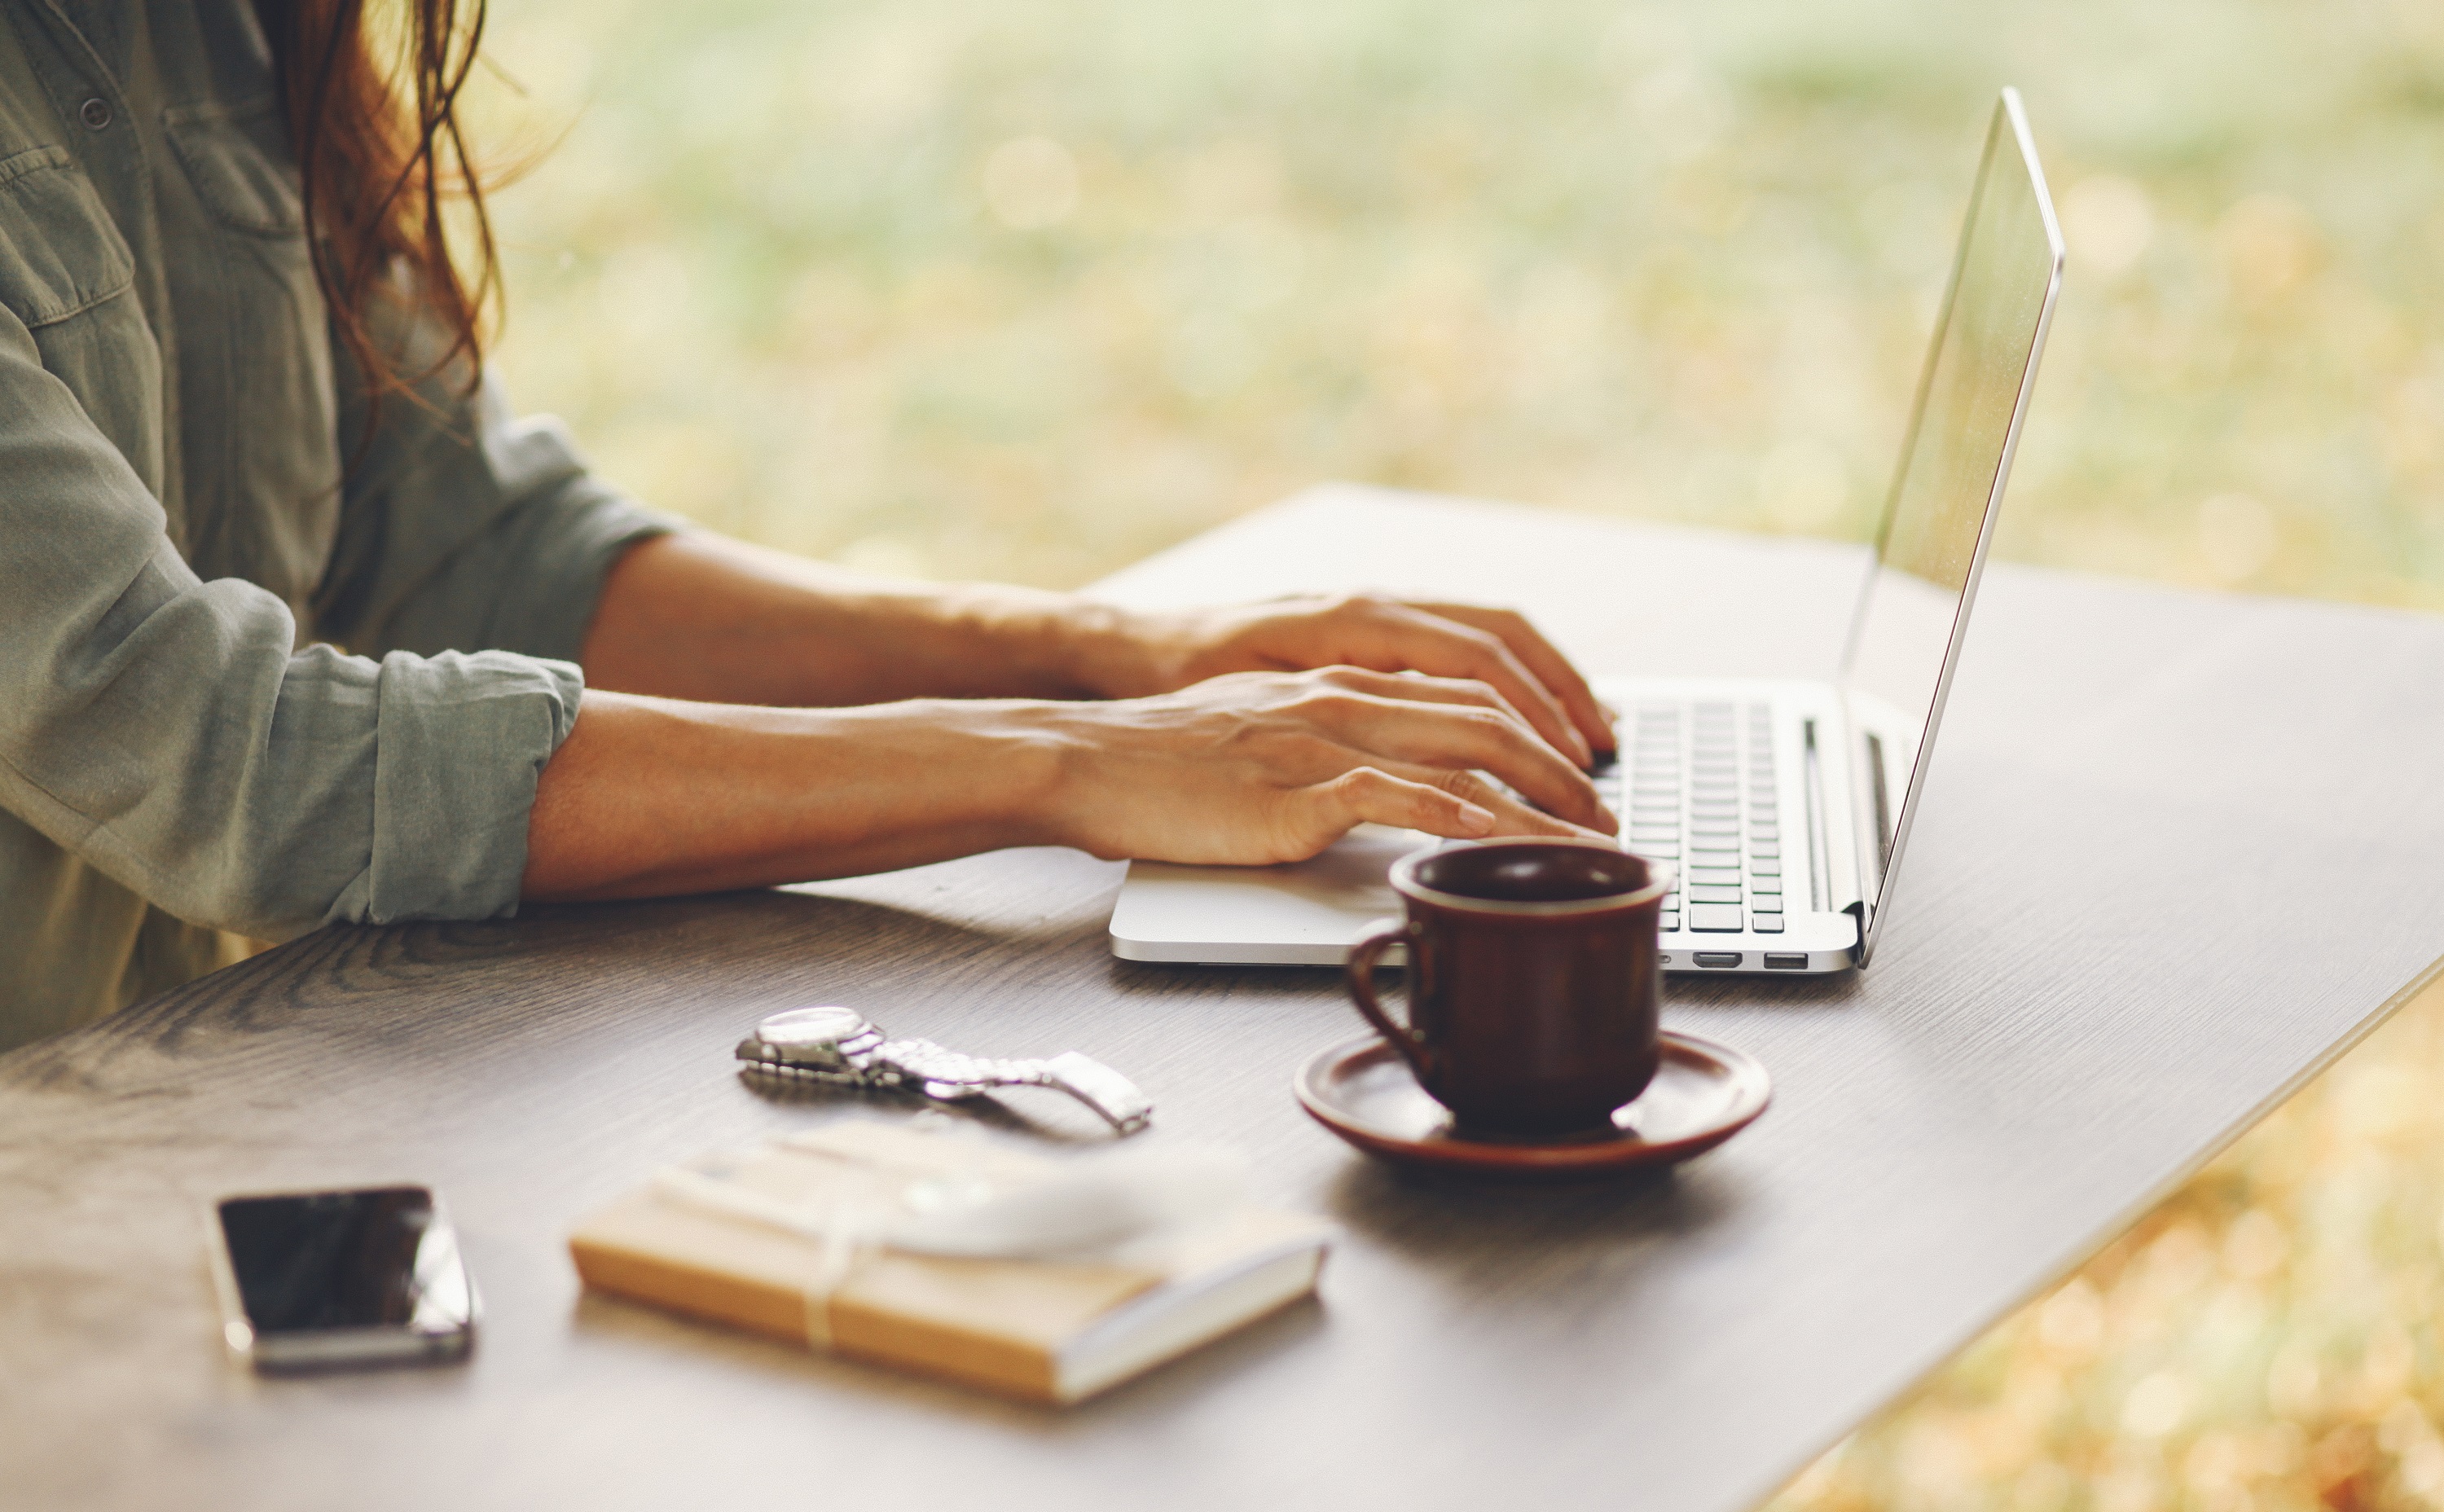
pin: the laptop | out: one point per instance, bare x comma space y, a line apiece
1782, 807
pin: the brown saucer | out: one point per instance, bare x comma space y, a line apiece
1703, 1093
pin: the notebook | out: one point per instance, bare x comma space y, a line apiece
1052, 1330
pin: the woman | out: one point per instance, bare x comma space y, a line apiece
242, 427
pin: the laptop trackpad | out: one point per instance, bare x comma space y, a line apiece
1304, 913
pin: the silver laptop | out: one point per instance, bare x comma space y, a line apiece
1784, 806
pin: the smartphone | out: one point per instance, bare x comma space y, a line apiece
328, 1279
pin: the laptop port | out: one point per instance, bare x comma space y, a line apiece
1776, 961
1718, 959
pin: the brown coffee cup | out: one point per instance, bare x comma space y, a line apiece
1533, 980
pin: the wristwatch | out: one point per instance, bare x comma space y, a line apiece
838, 1045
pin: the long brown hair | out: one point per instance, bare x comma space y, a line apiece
380, 153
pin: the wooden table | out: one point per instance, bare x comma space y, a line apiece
2178, 851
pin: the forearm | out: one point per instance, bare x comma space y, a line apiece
649, 796
703, 617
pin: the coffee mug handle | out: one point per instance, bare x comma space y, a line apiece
1364, 956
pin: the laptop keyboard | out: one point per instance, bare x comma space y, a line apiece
1702, 793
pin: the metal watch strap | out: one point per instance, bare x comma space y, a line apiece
941, 1073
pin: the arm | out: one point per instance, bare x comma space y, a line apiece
166, 731
698, 616
650, 795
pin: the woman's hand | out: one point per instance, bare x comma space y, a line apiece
1495, 648
1253, 768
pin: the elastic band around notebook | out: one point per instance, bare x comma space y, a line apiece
841, 1239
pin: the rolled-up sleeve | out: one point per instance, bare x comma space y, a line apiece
463, 526
168, 730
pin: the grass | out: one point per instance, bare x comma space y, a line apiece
1028, 288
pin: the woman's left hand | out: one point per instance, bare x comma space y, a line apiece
1495, 646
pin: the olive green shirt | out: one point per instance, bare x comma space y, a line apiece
258, 671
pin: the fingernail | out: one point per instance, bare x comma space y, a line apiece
1474, 820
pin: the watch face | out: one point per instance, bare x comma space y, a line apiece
817, 1029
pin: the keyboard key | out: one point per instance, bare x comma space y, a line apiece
1768, 923
1729, 845
1714, 875
1765, 903
1715, 918
1766, 851
1766, 831
1656, 850
1766, 884
1722, 829
1700, 894
1668, 923
1766, 868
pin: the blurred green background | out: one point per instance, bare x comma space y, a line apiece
1025, 290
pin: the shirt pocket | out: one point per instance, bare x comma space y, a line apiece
59, 255
235, 157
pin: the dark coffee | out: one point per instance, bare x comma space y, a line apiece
1532, 978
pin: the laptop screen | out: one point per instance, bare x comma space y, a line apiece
1947, 488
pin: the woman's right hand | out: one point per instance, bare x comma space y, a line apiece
1256, 768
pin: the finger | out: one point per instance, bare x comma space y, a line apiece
1417, 688
1541, 657
1408, 640
1317, 815
1463, 739
1512, 817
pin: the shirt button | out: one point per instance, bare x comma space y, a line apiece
95, 112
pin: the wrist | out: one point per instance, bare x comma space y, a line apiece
1012, 761
1132, 653
1104, 650
1040, 755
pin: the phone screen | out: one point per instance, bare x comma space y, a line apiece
316, 1270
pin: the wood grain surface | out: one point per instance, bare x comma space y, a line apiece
2177, 852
